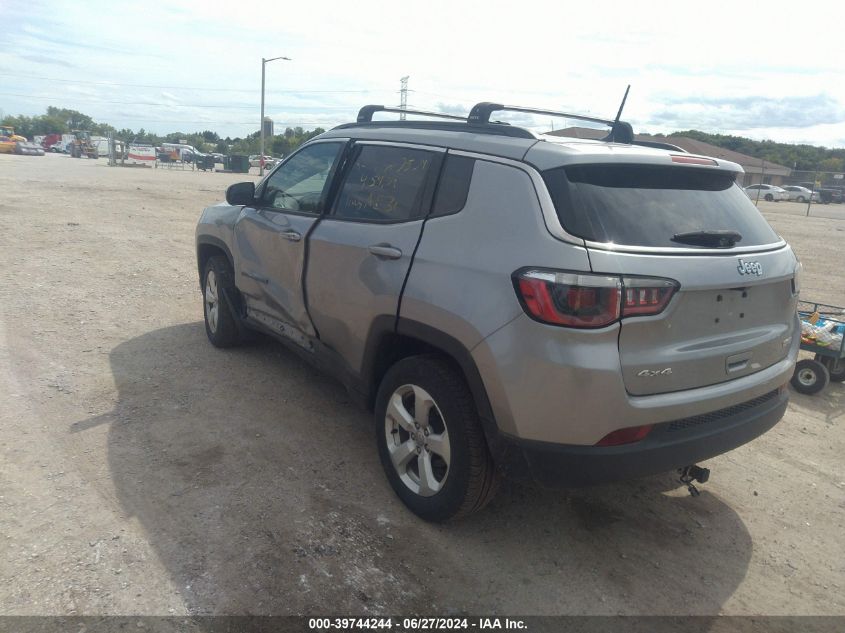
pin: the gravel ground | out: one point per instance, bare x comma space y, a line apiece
145, 472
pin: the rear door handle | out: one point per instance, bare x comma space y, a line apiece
291, 236
385, 251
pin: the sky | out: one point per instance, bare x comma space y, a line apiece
773, 70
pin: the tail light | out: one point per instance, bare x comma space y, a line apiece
625, 436
589, 301
570, 299
646, 295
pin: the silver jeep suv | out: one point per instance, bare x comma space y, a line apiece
577, 311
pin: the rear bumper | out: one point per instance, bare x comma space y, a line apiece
669, 446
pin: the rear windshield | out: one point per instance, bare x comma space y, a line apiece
644, 205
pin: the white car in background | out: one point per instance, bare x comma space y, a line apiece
801, 194
255, 161
769, 193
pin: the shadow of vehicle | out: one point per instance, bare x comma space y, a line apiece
259, 486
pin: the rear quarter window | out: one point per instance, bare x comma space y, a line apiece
453, 188
644, 205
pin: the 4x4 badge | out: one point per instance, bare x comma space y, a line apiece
749, 268
652, 373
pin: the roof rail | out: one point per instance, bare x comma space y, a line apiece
620, 131
365, 114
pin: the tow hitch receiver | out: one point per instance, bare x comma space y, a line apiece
693, 473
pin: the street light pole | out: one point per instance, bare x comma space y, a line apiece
261, 156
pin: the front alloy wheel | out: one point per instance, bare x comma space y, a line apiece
217, 287
212, 302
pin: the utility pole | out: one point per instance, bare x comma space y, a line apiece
403, 95
261, 156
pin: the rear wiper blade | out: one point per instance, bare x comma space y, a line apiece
716, 239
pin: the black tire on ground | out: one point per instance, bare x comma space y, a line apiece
768, 197
220, 326
471, 478
835, 367
810, 377
802, 199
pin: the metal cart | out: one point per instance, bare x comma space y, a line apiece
828, 363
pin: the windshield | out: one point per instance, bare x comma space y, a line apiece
646, 205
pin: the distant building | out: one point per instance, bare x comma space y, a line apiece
268, 127
756, 170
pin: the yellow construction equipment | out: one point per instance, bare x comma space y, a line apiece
82, 146
9, 140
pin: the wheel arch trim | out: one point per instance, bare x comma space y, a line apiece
210, 240
384, 334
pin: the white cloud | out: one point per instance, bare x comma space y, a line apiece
686, 61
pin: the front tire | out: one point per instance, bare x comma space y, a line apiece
768, 197
430, 440
220, 325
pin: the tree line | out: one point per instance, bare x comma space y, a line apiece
63, 120
796, 157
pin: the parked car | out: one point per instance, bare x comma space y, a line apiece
513, 303
826, 194
837, 193
766, 192
800, 194
179, 151
255, 161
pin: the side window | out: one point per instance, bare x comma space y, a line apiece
453, 188
385, 184
300, 183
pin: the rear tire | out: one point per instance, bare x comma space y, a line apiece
768, 197
835, 367
802, 199
217, 283
810, 377
430, 440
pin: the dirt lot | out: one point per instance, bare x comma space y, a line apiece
145, 472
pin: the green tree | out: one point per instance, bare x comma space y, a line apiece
833, 164
74, 119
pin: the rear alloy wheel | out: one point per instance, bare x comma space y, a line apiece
769, 197
810, 377
835, 367
417, 440
430, 440
802, 199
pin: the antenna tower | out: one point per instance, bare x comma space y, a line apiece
403, 95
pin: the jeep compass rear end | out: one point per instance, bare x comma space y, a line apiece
513, 303
676, 345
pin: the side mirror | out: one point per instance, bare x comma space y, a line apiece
240, 194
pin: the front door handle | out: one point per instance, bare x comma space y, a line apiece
385, 251
291, 235
258, 278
